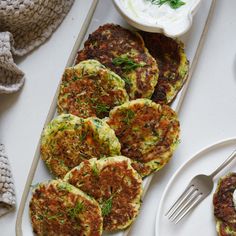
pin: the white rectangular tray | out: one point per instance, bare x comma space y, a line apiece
101, 12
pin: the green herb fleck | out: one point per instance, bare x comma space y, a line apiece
177, 142
76, 126
129, 116
39, 217
55, 217
127, 81
83, 136
101, 108
73, 212
107, 206
173, 3
95, 170
62, 128
126, 63
64, 186
75, 78
93, 100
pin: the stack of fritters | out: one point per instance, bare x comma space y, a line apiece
114, 184
124, 52
101, 188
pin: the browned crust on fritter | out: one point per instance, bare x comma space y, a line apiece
224, 209
90, 95
52, 213
110, 41
145, 123
72, 146
223, 228
111, 182
166, 51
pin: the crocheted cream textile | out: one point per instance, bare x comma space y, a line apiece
30, 23
7, 190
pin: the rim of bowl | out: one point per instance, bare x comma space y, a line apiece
155, 27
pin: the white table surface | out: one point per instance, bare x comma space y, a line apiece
208, 113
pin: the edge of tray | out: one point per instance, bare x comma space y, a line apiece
18, 226
78, 42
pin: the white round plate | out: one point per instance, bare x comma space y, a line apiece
201, 220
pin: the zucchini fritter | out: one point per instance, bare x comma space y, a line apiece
148, 133
224, 208
124, 53
114, 184
68, 140
58, 208
172, 63
90, 89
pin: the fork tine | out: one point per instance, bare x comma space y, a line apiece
189, 206
180, 200
185, 203
182, 203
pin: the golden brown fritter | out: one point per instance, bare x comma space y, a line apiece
124, 53
224, 208
172, 63
148, 133
114, 184
58, 208
89, 89
68, 140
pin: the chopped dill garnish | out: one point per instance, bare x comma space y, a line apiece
129, 116
126, 80
75, 78
73, 212
95, 170
83, 136
107, 206
126, 63
177, 142
93, 100
173, 3
55, 217
101, 108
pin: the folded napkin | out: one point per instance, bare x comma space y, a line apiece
11, 77
24, 25
7, 190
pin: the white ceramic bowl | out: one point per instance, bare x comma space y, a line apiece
171, 29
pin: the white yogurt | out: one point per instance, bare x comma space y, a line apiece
234, 199
157, 15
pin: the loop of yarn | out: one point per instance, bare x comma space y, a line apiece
29, 23
7, 190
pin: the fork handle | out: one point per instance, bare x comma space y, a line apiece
224, 164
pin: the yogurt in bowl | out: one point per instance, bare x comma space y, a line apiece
150, 15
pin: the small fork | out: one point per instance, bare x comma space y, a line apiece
196, 191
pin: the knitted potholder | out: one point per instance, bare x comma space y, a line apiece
7, 191
24, 25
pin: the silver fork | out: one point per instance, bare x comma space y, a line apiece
196, 191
